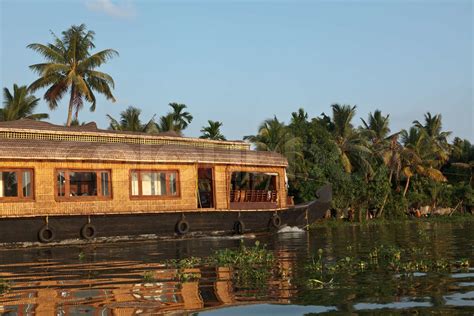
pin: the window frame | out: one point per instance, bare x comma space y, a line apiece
68, 198
140, 195
20, 197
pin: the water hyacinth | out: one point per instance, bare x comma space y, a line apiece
4, 286
323, 271
251, 267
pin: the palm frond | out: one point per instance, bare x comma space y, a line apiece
49, 52
97, 60
55, 93
114, 124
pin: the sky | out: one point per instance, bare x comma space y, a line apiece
241, 62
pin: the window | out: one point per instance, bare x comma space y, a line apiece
253, 187
16, 184
149, 183
83, 184
253, 181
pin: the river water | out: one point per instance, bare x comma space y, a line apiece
131, 278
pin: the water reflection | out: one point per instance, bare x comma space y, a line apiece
132, 278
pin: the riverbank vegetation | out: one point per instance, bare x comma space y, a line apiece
375, 172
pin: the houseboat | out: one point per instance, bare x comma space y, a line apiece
69, 183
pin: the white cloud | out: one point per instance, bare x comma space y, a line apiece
118, 9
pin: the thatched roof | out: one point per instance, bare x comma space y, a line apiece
31, 140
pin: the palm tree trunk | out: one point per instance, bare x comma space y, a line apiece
71, 106
406, 186
380, 212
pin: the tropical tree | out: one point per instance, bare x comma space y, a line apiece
274, 135
436, 138
130, 121
417, 158
377, 127
212, 131
71, 68
352, 146
20, 104
175, 121
181, 118
462, 157
167, 123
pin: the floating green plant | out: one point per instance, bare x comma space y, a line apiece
251, 266
4, 286
321, 271
149, 276
186, 263
256, 255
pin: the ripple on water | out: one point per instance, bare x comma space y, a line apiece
405, 303
466, 284
460, 299
462, 275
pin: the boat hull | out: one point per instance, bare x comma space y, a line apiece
206, 222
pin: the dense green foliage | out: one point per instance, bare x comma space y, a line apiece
373, 173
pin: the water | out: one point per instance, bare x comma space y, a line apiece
110, 279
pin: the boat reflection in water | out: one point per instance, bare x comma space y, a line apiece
92, 287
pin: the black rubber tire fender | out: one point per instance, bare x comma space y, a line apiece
276, 221
182, 227
88, 231
239, 227
46, 234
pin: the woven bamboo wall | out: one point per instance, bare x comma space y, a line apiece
46, 204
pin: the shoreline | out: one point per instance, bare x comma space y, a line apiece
330, 223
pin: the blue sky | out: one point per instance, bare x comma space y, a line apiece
241, 62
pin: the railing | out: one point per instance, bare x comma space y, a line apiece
243, 196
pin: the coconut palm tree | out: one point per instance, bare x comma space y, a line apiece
377, 127
417, 158
181, 117
130, 121
21, 104
463, 156
212, 131
352, 147
273, 135
71, 68
437, 139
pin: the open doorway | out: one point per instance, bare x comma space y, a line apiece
205, 188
